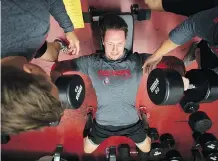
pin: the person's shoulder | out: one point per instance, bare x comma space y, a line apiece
94, 57
139, 55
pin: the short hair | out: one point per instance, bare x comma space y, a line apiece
26, 101
112, 21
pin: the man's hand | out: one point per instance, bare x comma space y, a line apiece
74, 46
151, 63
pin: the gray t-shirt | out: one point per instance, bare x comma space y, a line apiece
203, 24
26, 23
116, 85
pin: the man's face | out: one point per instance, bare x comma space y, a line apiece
114, 43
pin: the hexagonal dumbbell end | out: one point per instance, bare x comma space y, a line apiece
167, 140
153, 134
210, 156
157, 151
200, 122
142, 156
124, 152
165, 86
173, 155
207, 141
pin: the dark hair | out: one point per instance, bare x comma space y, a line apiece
26, 101
112, 21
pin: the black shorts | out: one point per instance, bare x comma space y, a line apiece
136, 132
187, 7
41, 51
208, 59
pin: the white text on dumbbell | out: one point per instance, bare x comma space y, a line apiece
78, 91
154, 87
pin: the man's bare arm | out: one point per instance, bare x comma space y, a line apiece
61, 67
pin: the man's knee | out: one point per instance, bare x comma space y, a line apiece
154, 4
145, 146
89, 146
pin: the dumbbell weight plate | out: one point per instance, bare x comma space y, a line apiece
71, 90
124, 152
199, 80
199, 121
213, 85
211, 157
173, 155
142, 156
165, 86
157, 151
153, 134
208, 142
167, 140
188, 106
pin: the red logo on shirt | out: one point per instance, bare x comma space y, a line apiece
108, 73
215, 20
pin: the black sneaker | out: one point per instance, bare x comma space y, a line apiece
190, 56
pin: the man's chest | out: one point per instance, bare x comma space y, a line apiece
115, 80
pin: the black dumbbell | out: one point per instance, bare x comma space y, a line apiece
168, 142
5, 138
166, 87
71, 90
142, 156
209, 156
196, 154
207, 141
58, 151
111, 153
200, 122
124, 152
206, 89
213, 156
152, 132
157, 151
173, 155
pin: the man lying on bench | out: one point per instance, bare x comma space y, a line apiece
115, 75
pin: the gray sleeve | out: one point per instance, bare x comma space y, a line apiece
183, 32
144, 56
58, 11
81, 64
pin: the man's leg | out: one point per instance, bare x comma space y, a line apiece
145, 146
138, 134
89, 146
96, 135
181, 7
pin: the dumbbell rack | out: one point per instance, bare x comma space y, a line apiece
206, 144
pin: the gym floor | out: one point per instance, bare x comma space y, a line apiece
167, 119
